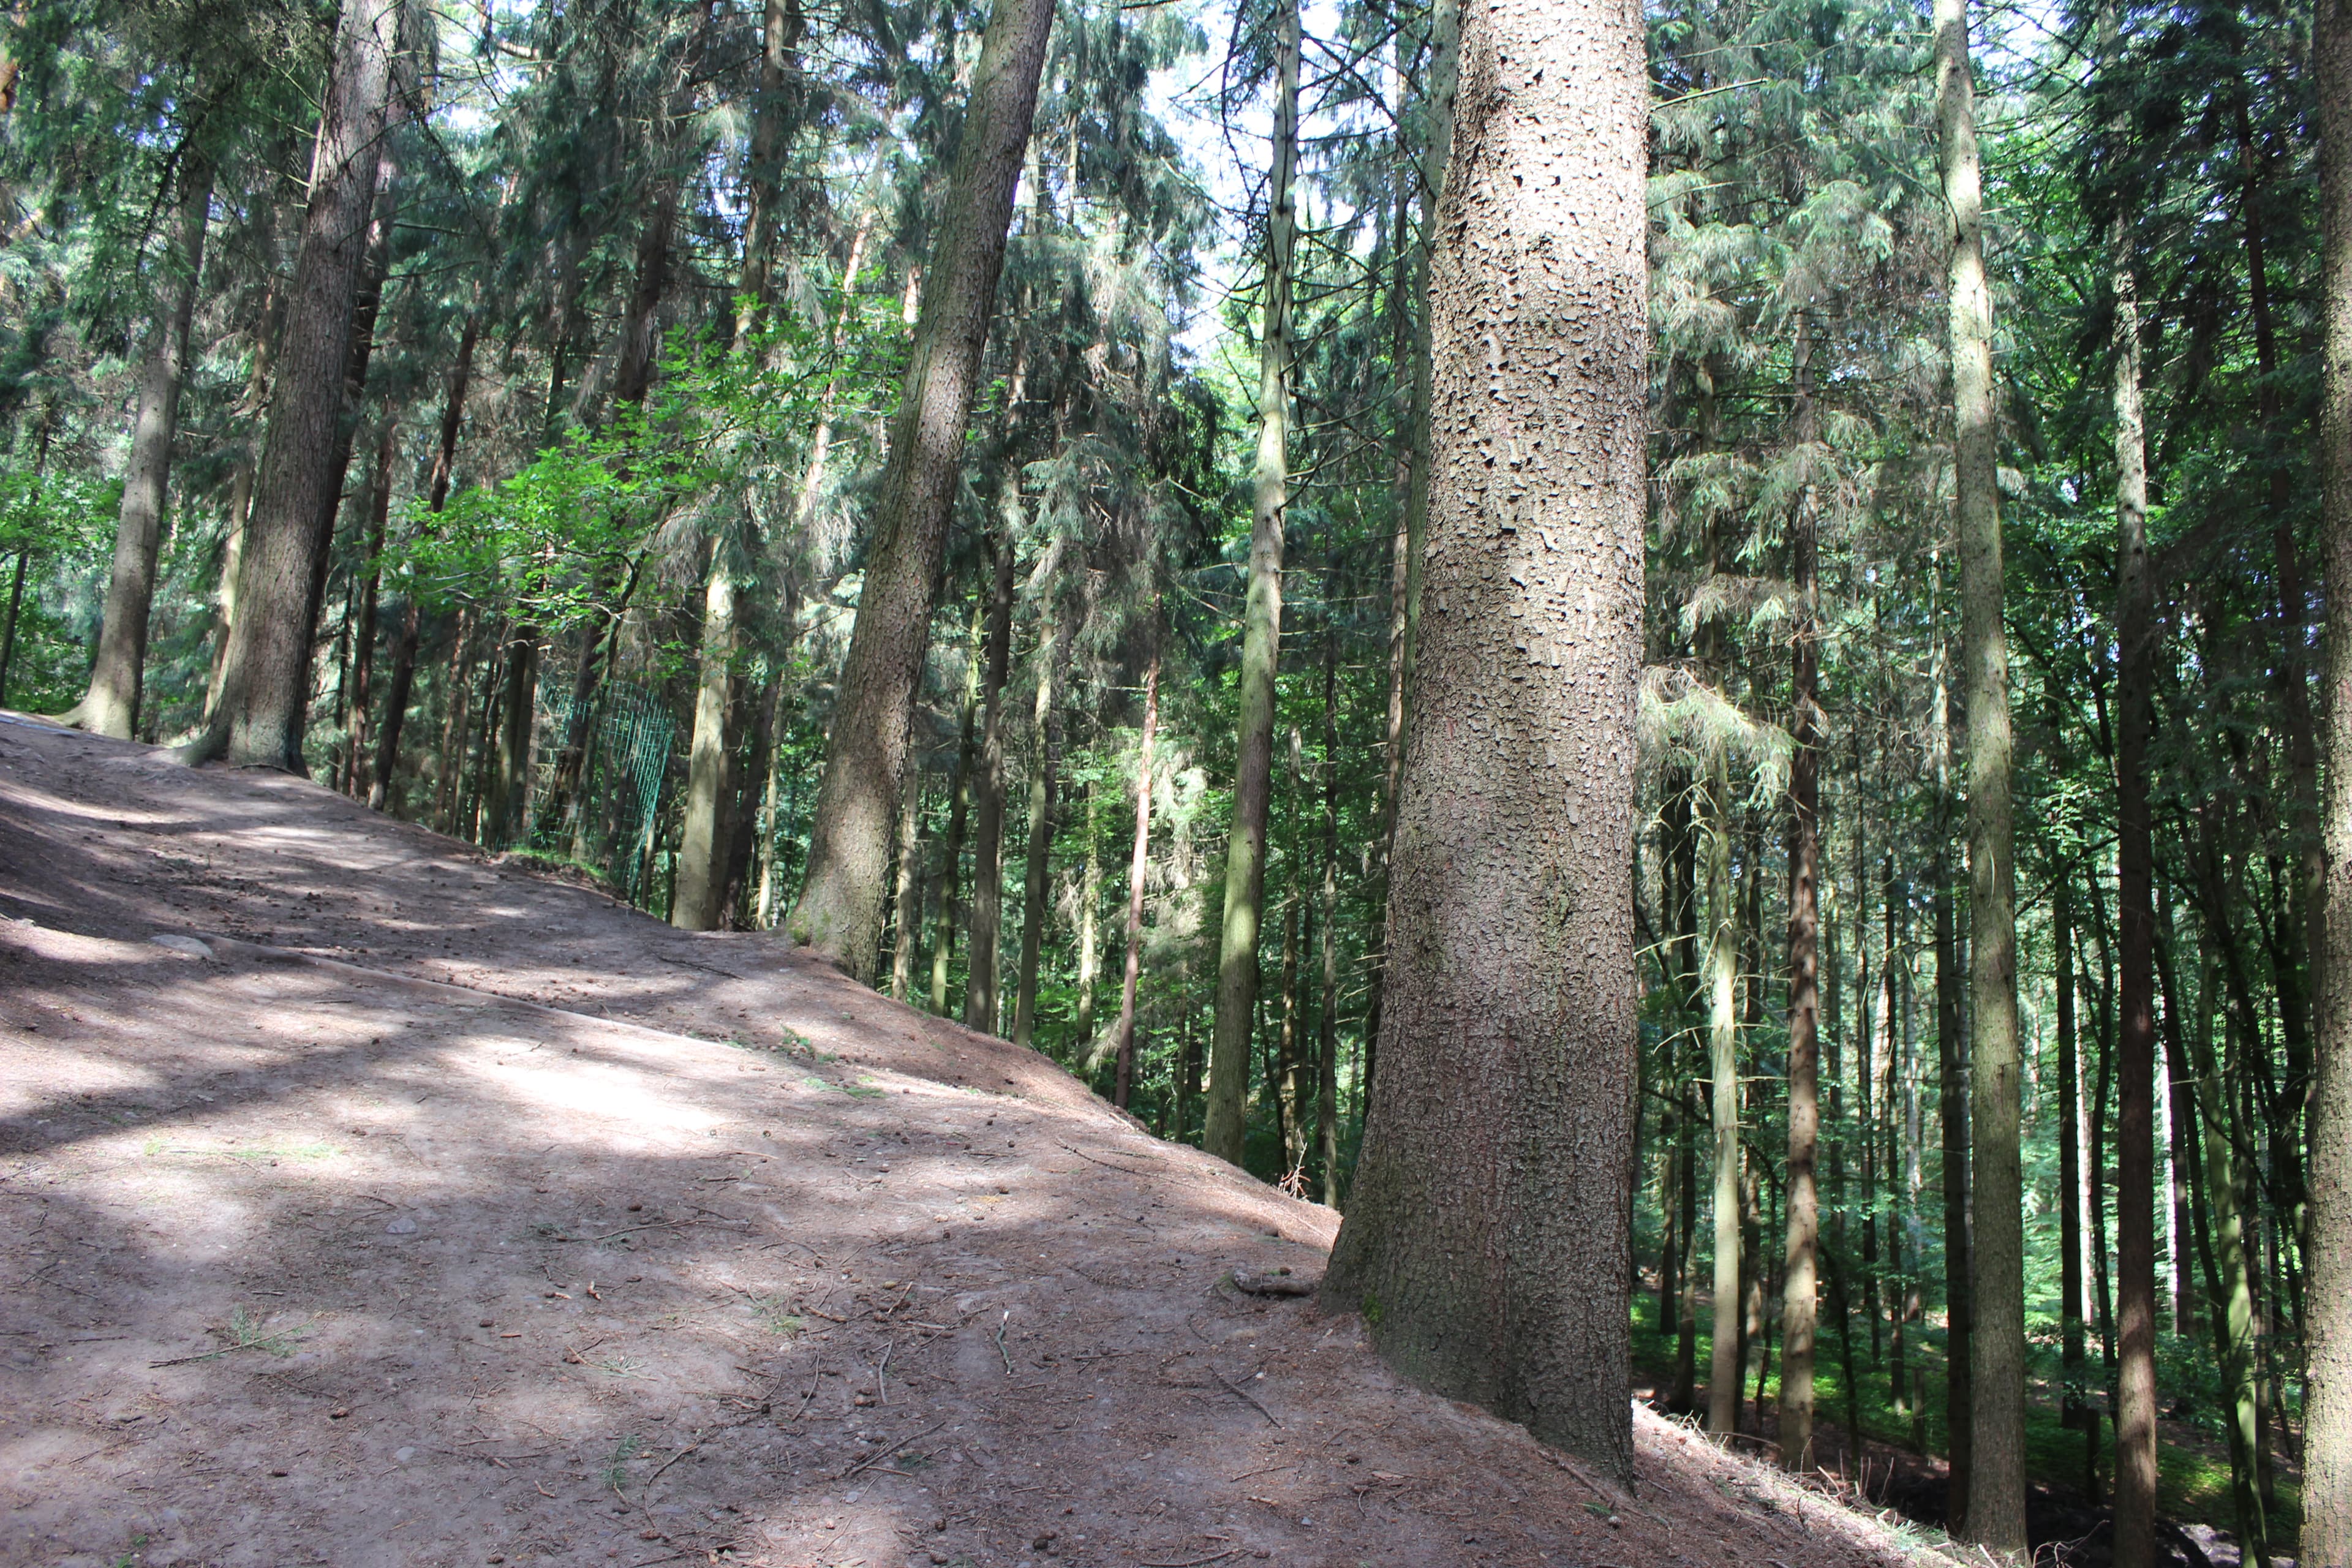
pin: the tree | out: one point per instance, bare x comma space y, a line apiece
110, 707
2327, 1413
1237, 955
1995, 1516
841, 904
265, 680
1485, 1232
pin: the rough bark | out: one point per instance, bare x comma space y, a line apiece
988, 835
1486, 1234
840, 908
1801, 1290
110, 706
1090, 929
2136, 1411
1723, 1376
265, 683
504, 802
1996, 1515
905, 899
2327, 1329
1237, 944
1123, 1038
702, 837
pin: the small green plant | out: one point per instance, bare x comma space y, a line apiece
623, 1452
618, 1366
155, 1146
775, 1316
1371, 1309
131, 1556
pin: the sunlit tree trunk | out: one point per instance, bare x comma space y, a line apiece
840, 908
1488, 1228
110, 706
1723, 1377
906, 898
2136, 1410
702, 835
944, 907
2327, 1329
1995, 1516
265, 684
1123, 1038
1046, 737
1237, 946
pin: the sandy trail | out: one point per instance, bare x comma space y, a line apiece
525, 1229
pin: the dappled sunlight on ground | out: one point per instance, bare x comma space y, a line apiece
431, 1212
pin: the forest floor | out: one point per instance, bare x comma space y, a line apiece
365, 1201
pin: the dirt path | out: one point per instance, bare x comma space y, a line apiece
511, 1227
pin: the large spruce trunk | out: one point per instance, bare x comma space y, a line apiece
2327, 1329
1487, 1229
2135, 650
1237, 944
110, 706
1800, 1292
847, 880
265, 683
1996, 1514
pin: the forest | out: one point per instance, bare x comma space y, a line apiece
1744, 607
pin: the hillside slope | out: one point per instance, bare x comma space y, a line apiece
407, 1208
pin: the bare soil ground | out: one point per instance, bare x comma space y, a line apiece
417, 1209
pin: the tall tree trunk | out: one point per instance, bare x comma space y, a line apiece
736, 902
1995, 1516
356, 704
775, 114
1427, 172
110, 706
1237, 944
840, 907
1800, 1291
1123, 1038
1723, 1378
944, 906
1045, 735
366, 306
266, 686
1090, 929
988, 837
456, 725
702, 836
504, 802
1953, 1073
904, 899
1327, 1046
2327, 1328
2136, 651
403, 648
2073, 1385
1489, 1218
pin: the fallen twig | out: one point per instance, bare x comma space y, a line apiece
1240, 1392
1193, 1562
890, 1452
